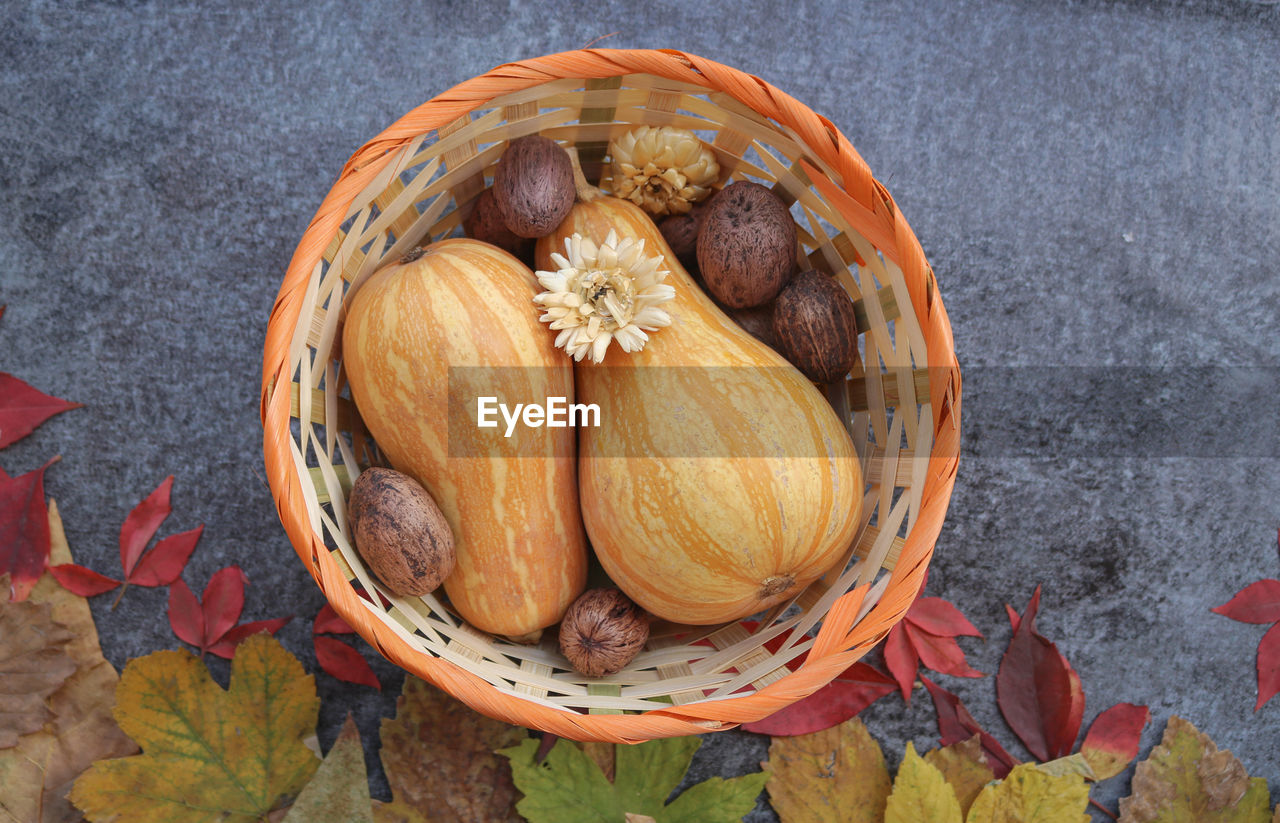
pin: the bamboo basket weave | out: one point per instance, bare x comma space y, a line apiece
415, 182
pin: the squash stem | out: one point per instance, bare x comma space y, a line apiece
586, 192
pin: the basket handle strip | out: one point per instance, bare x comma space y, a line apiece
866, 205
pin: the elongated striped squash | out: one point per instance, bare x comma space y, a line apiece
720, 481
456, 323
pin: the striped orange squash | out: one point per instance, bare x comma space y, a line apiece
720, 481
448, 327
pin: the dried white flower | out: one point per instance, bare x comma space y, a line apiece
663, 170
599, 294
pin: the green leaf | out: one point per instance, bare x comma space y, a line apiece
568, 786
208, 754
339, 792
1030, 795
1187, 779
920, 792
834, 774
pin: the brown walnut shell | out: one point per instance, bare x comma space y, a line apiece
602, 632
681, 233
747, 245
533, 185
400, 532
757, 321
485, 223
814, 322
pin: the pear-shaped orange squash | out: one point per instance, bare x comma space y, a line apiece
720, 481
455, 323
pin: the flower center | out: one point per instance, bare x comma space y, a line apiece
611, 292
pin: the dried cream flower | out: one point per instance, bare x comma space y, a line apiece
599, 294
664, 170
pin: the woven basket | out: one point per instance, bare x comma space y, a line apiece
415, 182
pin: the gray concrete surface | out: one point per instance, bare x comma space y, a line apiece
1097, 186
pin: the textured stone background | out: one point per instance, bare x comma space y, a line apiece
1097, 186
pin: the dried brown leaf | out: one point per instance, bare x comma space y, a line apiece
33, 665
42, 767
439, 758
1188, 778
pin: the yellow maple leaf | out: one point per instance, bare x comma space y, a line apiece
1031, 795
920, 792
833, 774
208, 754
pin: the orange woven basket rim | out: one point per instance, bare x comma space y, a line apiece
857, 196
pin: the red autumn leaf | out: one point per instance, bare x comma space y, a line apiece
1258, 602
209, 623
141, 525
223, 602
83, 581
1268, 666
1112, 741
185, 615
23, 408
24, 530
164, 563
1038, 692
901, 660
942, 654
856, 688
226, 647
158, 567
939, 617
328, 622
344, 662
956, 724
926, 634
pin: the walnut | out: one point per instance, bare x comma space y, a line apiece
664, 170
813, 320
602, 632
400, 532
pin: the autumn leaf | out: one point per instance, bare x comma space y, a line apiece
208, 754
1030, 795
337, 658
24, 530
920, 792
1187, 778
1112, 741
1039, 693
339, 791
567, 787
440, 761
837, 773
23, 408
956, 724
34, 664
844, 697
927, 635
209, 623
1259, 602
38, 772
964, 766
159, 567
